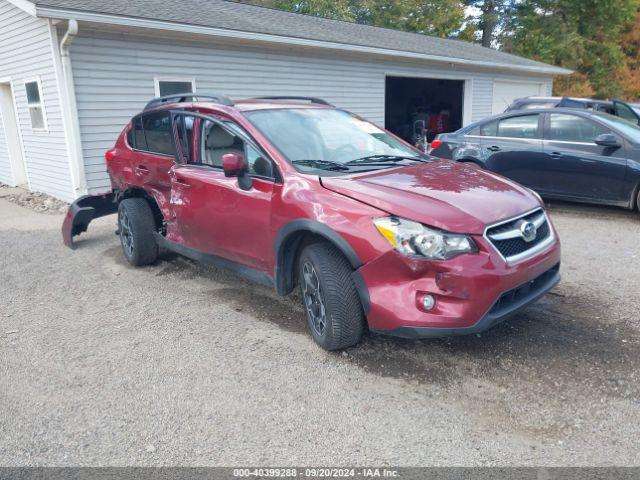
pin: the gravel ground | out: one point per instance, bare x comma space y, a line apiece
37, 201
178, 364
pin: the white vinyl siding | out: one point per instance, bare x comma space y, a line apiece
114, 78
25, 54
6, 176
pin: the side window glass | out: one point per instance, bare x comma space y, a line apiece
157, 131
525, 126
184, 138
139, 140
258, 165
489, 129
570, 128
216, 142
625, 112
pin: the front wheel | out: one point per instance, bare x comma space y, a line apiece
333, 309
136, 226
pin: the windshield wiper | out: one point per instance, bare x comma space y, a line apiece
322, 164
371, 159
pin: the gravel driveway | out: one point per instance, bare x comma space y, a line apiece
176, 364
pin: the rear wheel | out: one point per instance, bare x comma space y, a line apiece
136, 226
334, 313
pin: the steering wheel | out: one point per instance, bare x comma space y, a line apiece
345, 150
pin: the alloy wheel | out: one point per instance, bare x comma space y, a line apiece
126, 235
314, 298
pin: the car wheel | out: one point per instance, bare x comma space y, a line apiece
332, 305
136, 226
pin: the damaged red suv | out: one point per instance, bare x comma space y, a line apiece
295, 192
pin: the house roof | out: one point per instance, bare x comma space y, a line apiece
236, 17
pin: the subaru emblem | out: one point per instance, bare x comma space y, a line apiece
528, 231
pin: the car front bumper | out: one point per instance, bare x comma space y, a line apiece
473, 292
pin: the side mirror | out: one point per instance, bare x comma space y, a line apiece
234, 165
608, 140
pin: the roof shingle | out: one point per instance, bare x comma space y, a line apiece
231, 15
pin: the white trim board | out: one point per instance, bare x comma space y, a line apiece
64, 14
159, 78
25, 6
45, 120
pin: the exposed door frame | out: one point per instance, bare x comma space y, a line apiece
467, 89
12, 133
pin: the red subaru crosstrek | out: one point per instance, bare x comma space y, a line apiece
295, 192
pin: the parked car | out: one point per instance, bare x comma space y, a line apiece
565, 154
290, 192
628, 111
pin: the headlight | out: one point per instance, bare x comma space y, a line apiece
413, 238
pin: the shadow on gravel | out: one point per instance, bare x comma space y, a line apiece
557, 338
581, 210
561, 337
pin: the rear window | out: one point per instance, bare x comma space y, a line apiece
157, 132
139, 141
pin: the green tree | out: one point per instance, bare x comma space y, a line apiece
492, 19
442, 18
582, 35
334, 9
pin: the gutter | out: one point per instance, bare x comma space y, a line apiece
138, 22
70, 108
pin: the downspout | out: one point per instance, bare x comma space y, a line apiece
69, 103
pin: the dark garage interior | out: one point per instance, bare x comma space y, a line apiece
436, 102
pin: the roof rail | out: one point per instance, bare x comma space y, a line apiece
184, 97
319, 101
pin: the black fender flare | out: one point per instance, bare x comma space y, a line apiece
284, 263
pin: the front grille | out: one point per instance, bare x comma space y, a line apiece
509, 240
513, 298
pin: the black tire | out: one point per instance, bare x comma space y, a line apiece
136, 226
344, 318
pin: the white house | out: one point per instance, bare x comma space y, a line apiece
73, 72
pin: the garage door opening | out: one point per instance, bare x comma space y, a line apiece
412, 102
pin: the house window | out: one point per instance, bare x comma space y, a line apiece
36, 108
173, 86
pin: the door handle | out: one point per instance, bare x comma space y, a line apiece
142, 170
493, 148
555, 154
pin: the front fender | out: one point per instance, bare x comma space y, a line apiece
83, 211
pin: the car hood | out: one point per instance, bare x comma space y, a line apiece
448, 195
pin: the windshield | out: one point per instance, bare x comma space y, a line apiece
330, 139
630, 129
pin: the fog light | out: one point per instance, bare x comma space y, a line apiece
428, 302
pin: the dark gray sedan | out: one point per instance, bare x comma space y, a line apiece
560, 153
